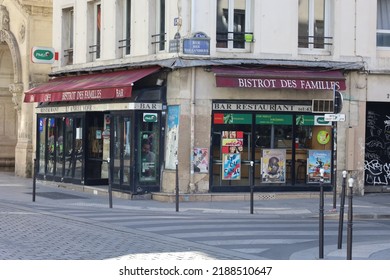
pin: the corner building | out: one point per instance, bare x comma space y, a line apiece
234, 94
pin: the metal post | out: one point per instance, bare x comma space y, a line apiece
349, 230
177, 187
251, 184
342, 203
321, 217
34, 179
109, 184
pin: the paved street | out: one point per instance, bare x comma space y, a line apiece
65, 224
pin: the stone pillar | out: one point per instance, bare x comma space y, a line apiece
24, 147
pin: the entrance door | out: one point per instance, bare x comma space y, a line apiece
96, 167
122, 152
149, 140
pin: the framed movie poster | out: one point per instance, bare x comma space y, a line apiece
231, 166
273, 166
319, 159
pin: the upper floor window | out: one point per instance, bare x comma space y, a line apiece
125, 37
160, 38
95, 36
67, 35
383, 23
313, 25
233, 24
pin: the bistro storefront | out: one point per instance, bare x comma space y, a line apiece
282, 144
278, 144
91, 126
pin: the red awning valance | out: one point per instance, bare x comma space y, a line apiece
279, 78
111, 85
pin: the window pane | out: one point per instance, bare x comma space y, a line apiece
162, 25
383, 14
239, 24
98, 29
319, 18
383, 23
222, 23
128, 25
383, 40
303, 23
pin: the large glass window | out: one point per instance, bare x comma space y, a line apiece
233, 24
149, 148
383, 23
60, 147
286, 150
313, 31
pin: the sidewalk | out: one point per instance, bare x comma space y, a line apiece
370, 206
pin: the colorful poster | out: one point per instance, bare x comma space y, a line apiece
172, 136
273, 166
319, 159
232, 142
201, 160
231, 166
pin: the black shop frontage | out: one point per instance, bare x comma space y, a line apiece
96, 127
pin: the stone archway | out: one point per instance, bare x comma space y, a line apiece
15, 87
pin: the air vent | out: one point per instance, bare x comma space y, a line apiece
322, 106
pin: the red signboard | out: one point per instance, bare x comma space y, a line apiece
111, 85
279, 78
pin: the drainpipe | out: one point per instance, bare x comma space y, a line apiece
192, 129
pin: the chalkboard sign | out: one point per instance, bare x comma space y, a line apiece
377, 146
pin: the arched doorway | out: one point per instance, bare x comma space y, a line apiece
11, 90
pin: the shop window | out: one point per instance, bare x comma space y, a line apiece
233, 24
383, 24
50, 147
313, 25
42, 144
286, 150
149, 148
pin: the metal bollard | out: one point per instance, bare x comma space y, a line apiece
349, 229
109, 184
321, 216
34, 170
177, 186
341, 217
251, 184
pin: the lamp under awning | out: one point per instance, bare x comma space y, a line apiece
279, 78
111, 85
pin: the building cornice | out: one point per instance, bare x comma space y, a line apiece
179, 63
36, 7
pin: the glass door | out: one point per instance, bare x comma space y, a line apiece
121, 151
148, 151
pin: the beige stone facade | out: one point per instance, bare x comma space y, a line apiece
23, 24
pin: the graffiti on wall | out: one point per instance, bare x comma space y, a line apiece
377, 147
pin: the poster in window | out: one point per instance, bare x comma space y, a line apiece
319, 159
232, 142
273, 166
231, 166
201, 160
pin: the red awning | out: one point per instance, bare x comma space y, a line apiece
279, 78
88, 87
